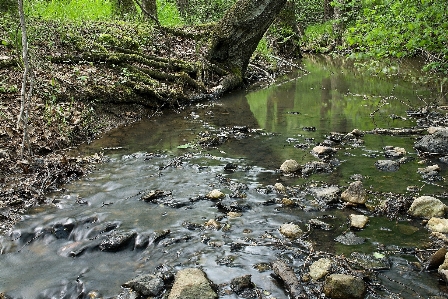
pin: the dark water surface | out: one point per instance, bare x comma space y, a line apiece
162, 153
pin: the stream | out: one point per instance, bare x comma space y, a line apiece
151, 194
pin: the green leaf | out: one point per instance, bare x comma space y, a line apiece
378, 255
187, 145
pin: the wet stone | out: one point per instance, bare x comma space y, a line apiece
290, 166
316, 223
439, 225
242, 284
146, 285
322, 151
436, 143
342, 286
314, 167
326, 194
387, 165
350, 238
117, 241
191, 283
355, 193
430, 173
154, 195
215, 194
368, 262
437, 258
427, 207
358, 221
394, 152
291, 230
320, 268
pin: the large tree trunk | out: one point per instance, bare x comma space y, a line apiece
237, 35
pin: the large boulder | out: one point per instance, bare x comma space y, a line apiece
355, 193
436, 143
191, 283
427, 207
342, 286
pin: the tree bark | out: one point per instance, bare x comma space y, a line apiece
149, 8
237, 35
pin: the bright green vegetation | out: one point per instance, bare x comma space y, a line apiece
379, 29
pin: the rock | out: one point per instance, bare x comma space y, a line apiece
287, 202
436, 143
369, 262
212, 223
315, 167
350, 239
191, 283
215, 194
154, 195
316, 223
326, 194
117, 241
291, 230
430, 173
439, 225
358, 221
394, 152
147, 285
290, 166
242, 284
320, 151
427, 207
387, 165
443, 268
320, 268
437, 258
280, 188
355, 193
342, 286
432, 130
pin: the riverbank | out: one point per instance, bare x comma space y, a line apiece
90, 78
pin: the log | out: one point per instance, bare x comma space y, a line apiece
289, 279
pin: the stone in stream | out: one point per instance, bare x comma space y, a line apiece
316, 167
342, 286
427, 207
322, 151
326, 194
394, 152
154, 195
430, 173
117, 241
355, 193
436, 143
215, 194
320, 268
291, 230
387, 165
358, 221
443, 268
437, 258
243, 286
146, 285
369, 261
280, 188
350, 239
439, 225
290, 166
192, 283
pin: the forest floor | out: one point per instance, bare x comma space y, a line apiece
88, 79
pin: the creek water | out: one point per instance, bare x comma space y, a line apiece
53, 252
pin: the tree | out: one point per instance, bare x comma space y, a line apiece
237, 35
27, 83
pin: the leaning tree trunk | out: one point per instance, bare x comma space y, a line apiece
237, 35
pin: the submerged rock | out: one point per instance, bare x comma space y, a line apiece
320, 268
191, 283
358, 221
387, 165
326, 194
369, 261
315, 167
291, 230
322, 151
355, 193
147, 285
427, 207
350, 239
290, 166
394, 152
342, 286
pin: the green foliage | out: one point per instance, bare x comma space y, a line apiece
168, 13
402, 29
319, 37
203, 11
8, 6
79, 10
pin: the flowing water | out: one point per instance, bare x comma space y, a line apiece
55, 252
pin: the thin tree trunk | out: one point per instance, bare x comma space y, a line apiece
237, 35
27, 84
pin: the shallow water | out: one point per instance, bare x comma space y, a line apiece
162, 153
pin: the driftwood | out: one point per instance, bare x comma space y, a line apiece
289, 279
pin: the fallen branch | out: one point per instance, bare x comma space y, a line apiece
289, 278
